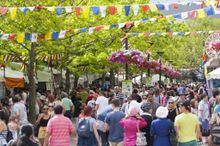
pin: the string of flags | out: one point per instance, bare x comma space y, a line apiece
86, 11
11, 58
145, 34
34, 37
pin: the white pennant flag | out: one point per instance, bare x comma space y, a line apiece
166, 6
33, 37
184, 15
103, 10
50, 9
31, 8
62, 34
68, 9
135, 9
121, 25
217, 11
5, 36
91, 30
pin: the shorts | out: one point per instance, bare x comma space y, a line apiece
42, 132
190, 143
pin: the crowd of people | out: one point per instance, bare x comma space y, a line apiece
169, 115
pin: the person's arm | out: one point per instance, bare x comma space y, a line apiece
198, 132
176, 125
39, 118
72, 107
107, 123
96, 134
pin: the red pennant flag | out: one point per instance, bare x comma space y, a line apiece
145, 8
112, 10
3, 10
175, 6
98, 28
204, 57
40, 37
12, 37
39, 7
78, 10
192, 14
146, 34
129, 24
203, 4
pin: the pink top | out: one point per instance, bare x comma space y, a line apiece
130, 129
59, 129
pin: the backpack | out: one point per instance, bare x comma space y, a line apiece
83, 128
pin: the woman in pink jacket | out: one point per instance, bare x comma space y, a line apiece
130, 125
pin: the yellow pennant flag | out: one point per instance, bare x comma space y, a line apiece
137, 23
48, 36
201, 13
13, 12
20, 37
119, 9
207, 3
205, 70
85, 11
153, 7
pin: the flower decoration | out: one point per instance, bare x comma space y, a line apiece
216, 46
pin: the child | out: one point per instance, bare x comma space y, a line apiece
13, 126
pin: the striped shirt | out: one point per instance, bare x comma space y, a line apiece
59, 129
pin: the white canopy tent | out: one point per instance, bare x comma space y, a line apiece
215, 74
10, 73
213, 80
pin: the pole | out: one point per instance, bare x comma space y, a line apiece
160, 73
148, 71
126, 65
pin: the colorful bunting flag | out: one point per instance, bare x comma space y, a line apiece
135, 9
127, 10
112, 10
103, 11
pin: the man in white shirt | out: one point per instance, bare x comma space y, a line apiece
101, 103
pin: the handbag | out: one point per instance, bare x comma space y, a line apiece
141, 139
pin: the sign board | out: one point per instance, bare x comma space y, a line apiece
127, 87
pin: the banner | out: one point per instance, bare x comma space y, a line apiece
86, 11
127, 87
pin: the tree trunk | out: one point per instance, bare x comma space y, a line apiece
67, 88
103, 79
32, 85
76, 81
112, 77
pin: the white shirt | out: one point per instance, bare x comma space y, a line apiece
102, 102
133, 103
203, 108
21, 109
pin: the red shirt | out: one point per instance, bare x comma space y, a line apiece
59, 129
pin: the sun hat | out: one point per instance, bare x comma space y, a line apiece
161, 112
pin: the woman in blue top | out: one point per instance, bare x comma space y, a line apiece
161, 127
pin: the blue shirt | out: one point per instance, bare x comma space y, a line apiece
103, 114
116, 132
217, 108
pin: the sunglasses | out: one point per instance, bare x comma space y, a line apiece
171, 102
50, 106
45, 109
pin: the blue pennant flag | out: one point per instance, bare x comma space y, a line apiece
177, 16
144, 20
158, 34
127, 10
59, 11
84, 30
27, 37
160, 6
209, 11
95, 10
180, 33
55, 35
113, 26
23, 9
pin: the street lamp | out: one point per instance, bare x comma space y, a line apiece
126, 29
160, 53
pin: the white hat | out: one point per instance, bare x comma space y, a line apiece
161, 112
43, 97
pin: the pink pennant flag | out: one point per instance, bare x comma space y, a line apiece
98, 28
192, 14
3, 10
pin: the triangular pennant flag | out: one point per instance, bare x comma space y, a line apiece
95, 10
113, 26
91, 30
55, 35
84, 30
62, 34
135, 9
3, 10
175, 6
177, 16
51, 9
12, 37
48, 36
20, 37
59, 10
27, 37
153, 7
209, 11
85, 11
160, 6
31, 8
112, 10
127, 9
166, 7
129, 24
121, 25
98, 28
13, 12
23, 9
184, 15
78, 10
145, 8
68, 9
33, 37
201, 13
192, 14
40, 37
119, 9
39, 7
103, 11
4, 36
137, 23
